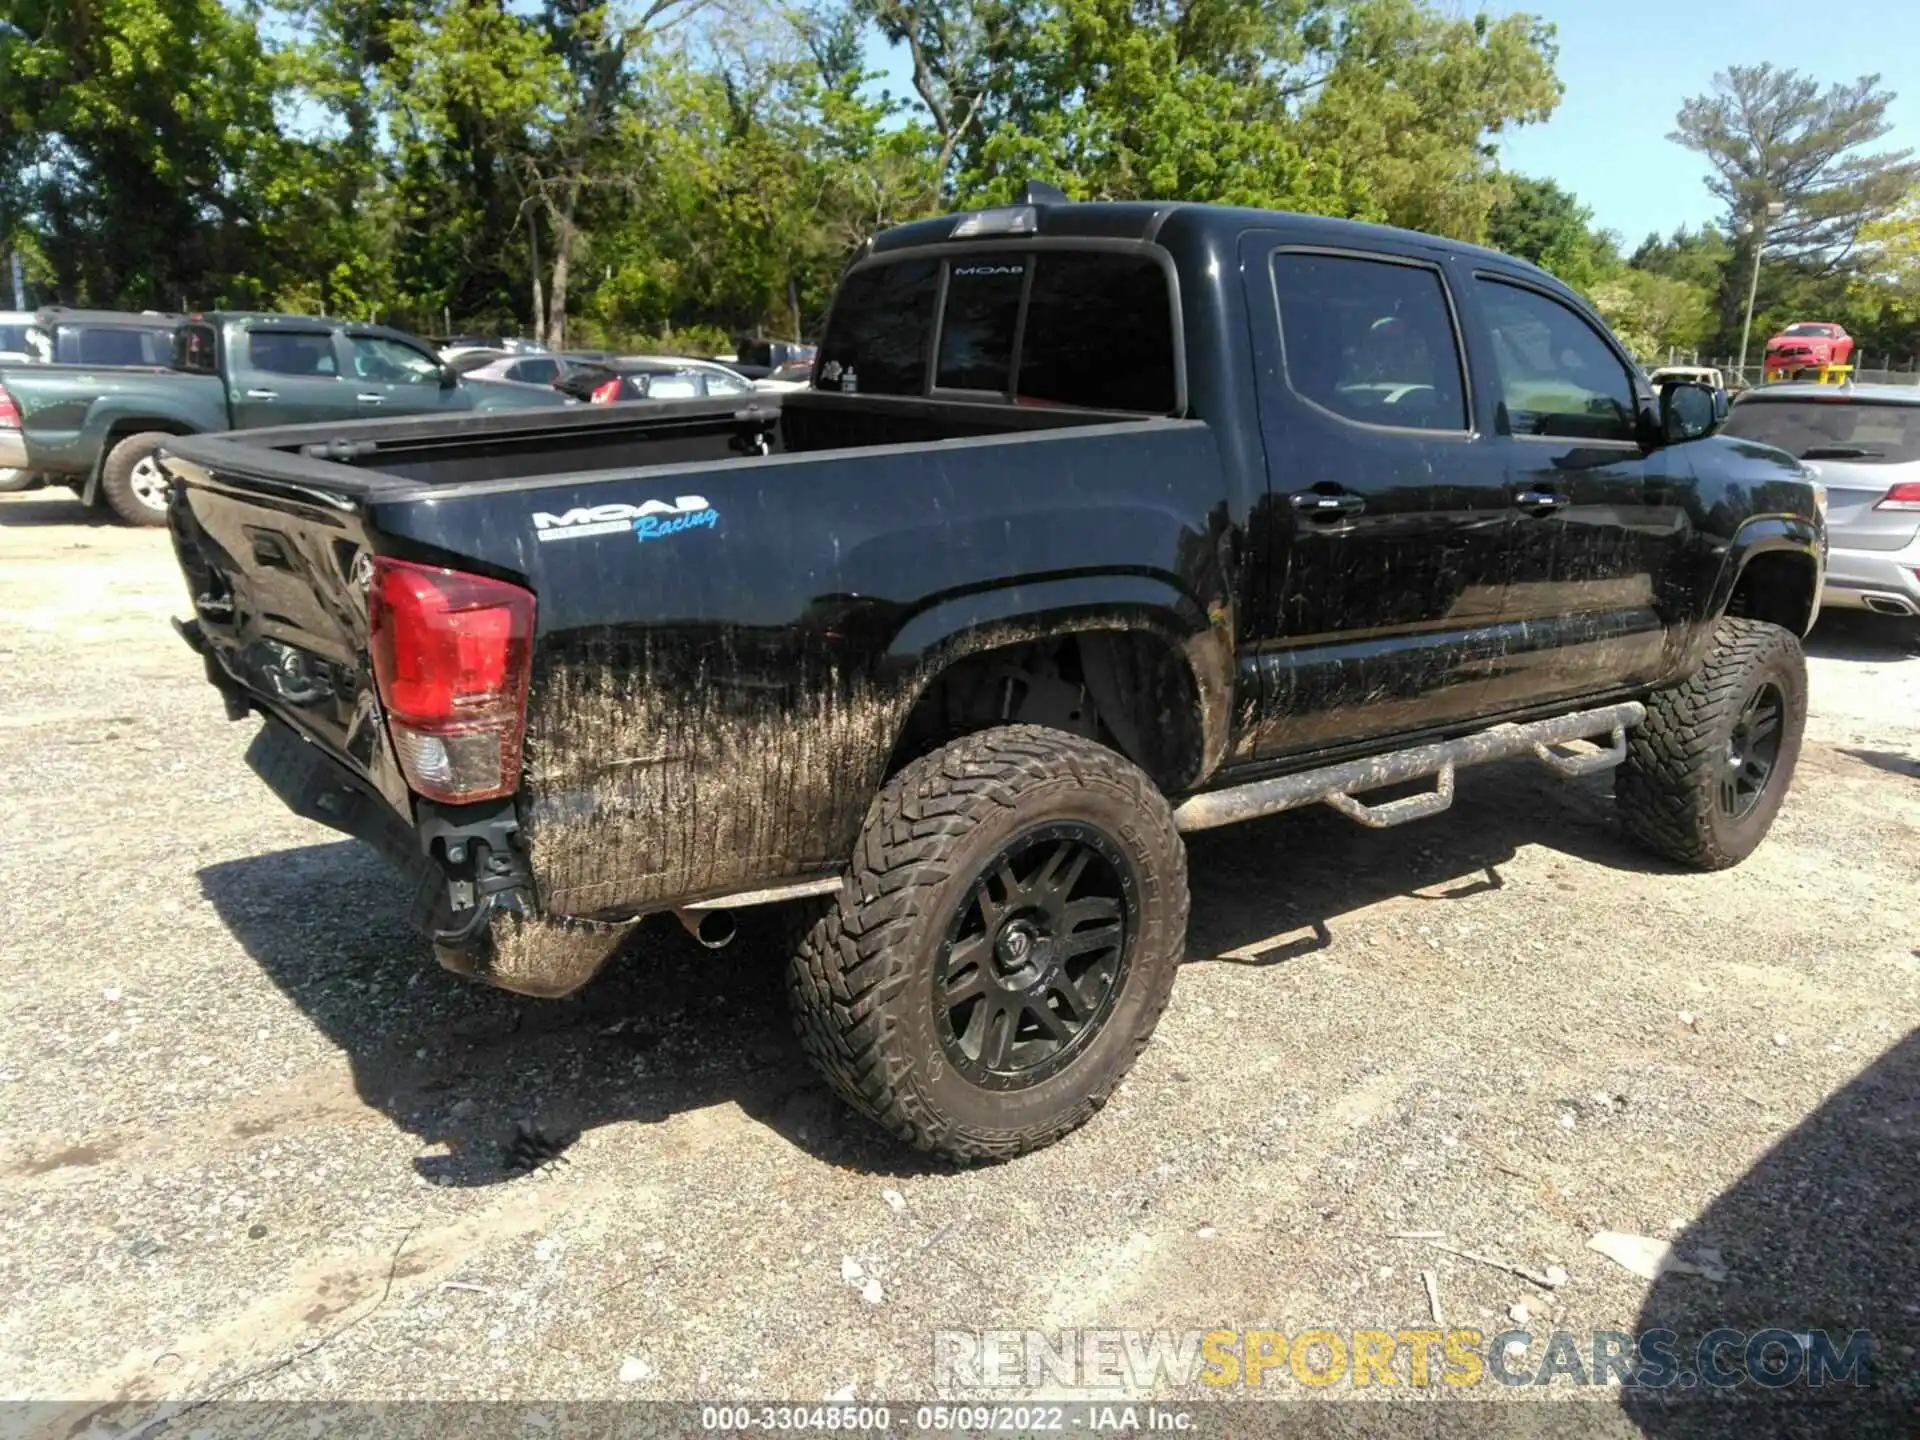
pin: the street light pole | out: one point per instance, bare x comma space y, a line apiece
1773, 211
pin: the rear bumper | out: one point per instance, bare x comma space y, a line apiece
471, 896
13, 451
1887, 581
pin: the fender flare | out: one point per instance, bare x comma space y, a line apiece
951, 629
141, 423
1767, 535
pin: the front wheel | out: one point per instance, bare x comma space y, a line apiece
133, 482
1003, 946
1705, 775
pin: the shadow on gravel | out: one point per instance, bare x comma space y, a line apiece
1862, 635
1887, 760
30, 508
1272, 891
1822, 1234
491, 1082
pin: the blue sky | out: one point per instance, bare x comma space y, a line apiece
1627, 65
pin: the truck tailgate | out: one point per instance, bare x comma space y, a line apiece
277, 574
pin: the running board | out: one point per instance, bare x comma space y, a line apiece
1335, 784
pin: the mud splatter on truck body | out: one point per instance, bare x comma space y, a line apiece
745, 618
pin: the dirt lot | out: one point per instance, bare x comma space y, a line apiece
233, 1088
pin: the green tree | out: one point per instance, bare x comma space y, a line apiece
137, 135
1112, 99
1654, 314
1775, 137
1410, 98
1542, 223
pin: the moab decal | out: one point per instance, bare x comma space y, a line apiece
658, 517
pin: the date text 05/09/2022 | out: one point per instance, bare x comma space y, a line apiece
1088, 1416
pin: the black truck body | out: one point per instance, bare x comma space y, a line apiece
1251, 496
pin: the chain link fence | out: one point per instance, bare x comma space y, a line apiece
1869, 367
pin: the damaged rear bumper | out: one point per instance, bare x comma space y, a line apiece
473, 897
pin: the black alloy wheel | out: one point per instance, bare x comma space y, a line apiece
1753, 749
1034, 955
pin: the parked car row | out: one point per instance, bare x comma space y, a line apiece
87, 397
105, 391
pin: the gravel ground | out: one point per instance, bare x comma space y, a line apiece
253, 1139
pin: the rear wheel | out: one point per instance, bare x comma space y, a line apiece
1003, 947
1706, 773
133, 482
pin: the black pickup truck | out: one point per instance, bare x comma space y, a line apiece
1100, 523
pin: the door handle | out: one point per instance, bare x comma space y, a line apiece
263, 394
1541, 502
371, 399
1318, 505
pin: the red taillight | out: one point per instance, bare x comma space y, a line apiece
1904, 496
9, 412
607, 391
452, 654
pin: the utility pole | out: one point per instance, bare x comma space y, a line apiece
1774, 211
19, 284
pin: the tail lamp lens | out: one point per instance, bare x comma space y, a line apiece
1904, 496
452, 654
606, 392
9, 412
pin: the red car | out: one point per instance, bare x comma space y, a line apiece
1808, 346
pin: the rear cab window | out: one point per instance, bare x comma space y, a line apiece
1858, 431
111, 345
1087, 329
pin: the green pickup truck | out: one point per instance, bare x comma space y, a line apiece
96, 427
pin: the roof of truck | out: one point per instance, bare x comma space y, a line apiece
126, 319
1144, 220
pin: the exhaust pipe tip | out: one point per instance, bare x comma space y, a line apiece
714, 929
1888, 605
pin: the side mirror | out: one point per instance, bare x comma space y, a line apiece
1690, 410
448, 377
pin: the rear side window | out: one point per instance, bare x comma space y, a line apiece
1370, 340
292, 352
1849, 430
14, 338
672, 387
1058, 327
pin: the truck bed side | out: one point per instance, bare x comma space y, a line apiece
726, 651
67, 412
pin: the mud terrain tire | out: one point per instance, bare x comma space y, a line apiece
1055, 846
1707, 771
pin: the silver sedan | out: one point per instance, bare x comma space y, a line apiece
1863, 443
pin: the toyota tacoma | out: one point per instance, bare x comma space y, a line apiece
1067, 552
